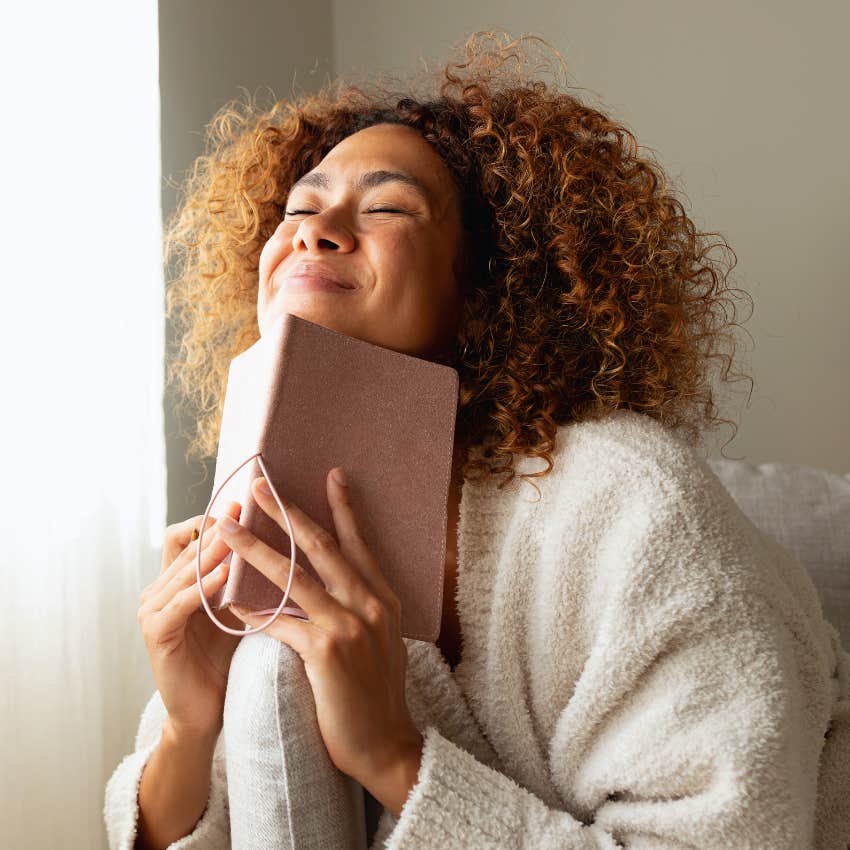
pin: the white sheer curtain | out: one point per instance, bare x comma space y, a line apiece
83, 459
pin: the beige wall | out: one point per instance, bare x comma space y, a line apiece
744, 102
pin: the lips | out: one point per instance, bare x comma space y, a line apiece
317, 270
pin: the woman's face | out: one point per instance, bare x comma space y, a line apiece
396, 242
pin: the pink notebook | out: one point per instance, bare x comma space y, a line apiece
310, 398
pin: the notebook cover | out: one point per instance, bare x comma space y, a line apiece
311, 398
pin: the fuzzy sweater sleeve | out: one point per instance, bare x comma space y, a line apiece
121, 805
698, 717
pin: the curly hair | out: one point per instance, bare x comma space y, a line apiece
588, 288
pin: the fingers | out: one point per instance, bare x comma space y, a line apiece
186, 601
183, 571
352, 588
179, 538
181, 532
324, 610
320, 546
351, 540
189, 552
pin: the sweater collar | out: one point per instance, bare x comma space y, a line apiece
435, 693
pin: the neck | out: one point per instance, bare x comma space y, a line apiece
456, 477
457, 462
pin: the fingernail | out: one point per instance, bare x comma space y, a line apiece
228, 524
264, 487
339, 476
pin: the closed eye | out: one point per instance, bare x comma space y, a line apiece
373, 210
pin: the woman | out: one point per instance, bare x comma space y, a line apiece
624, 661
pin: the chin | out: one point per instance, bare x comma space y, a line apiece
324, 316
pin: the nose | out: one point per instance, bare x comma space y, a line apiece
322, 231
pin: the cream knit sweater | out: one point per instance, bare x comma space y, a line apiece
642, 668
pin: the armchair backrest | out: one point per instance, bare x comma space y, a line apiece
807, 510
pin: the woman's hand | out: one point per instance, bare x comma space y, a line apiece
189, 654
352, 648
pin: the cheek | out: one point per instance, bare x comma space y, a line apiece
416, 295
419, 268
265, 305
276, 249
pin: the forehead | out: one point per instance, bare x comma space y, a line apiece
385, 148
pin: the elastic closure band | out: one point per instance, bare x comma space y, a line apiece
247, 630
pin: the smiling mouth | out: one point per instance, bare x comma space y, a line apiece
312, 282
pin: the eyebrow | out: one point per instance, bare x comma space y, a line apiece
367, 180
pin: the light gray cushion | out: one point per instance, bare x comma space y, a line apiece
284, 793
806, 510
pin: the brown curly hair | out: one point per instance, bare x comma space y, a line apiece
588, 287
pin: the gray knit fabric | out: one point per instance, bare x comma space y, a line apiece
284, 792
